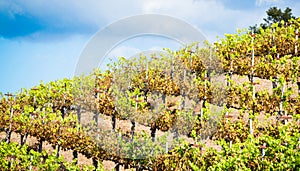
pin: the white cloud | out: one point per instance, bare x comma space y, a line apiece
209, 16
81, 11
204, 11
205, 14
268, 2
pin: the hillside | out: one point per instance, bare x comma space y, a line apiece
228, 106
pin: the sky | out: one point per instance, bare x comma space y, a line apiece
43, 40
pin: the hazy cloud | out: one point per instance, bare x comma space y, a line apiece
268, 2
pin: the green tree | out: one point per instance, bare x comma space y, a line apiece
274, 15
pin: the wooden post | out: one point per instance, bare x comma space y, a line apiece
285, 119
63, 113
183, 101
41, 146
182, 91
253, 85
120, 138
165, 71
78, 112
136, 103
9, 131
117, 167
114, 117
34, 102
11, 160
132, 129
132, 120
298, 84
163, 96
263, 152
30, 165
146, 70
274, 83
113, 121
153, 131
172, 68
204, 99
210, 60
229, 77
251, 126
96, 115
95, 163
281, 110
58, 150
176, 135
252, 67
296, 43
23, 139
167, 147
205, 85
75, 156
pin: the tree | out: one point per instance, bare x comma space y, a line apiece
274, 15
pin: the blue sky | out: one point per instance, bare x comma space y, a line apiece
42, 39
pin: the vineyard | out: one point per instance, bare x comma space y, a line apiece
233, 105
